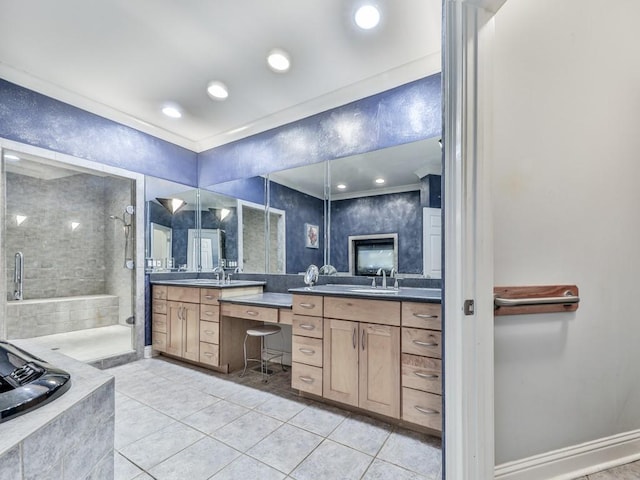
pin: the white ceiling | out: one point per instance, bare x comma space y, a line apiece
124, 58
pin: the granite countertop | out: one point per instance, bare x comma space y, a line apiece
427, 295
207, 283
277, 300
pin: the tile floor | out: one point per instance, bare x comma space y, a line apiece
630, 471
179, 422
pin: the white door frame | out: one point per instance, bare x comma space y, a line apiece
468, 247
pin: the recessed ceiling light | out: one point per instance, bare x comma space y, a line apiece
11, 157
367, 17
217, 90
379, 181
279, 60
341, 186
172, 111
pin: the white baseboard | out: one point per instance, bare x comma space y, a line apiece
573, 462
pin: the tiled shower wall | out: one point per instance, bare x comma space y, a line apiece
59, 261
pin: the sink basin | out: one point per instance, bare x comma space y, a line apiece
375, 291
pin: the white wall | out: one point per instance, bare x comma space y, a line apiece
566, 210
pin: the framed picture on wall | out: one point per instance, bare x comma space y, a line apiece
311, 235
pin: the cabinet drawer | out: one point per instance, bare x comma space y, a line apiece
209, 296
422, 315
159, 341
306, 378
159, 306
306, 350
422, 373
210, 332
209, 354
209, 313
306, 326
183, 294
361, 310
159, 323
421, 342
159, 292
422, 408
307, 305
286, 316
261, 314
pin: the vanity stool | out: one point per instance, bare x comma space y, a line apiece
266, 355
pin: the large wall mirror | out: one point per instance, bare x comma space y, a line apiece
188, 230
375, 200
315, 214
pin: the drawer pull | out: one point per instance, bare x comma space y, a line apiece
425, 375
209, 332
306, 326
307, 351
209, 297
253, 313
306, 379
424, 315
208, 354
426, 411
208, 313
307, 305
425, 344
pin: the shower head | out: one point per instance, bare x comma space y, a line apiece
113, 217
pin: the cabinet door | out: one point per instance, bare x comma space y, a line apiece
340, 368
174, 328
380, 369
191, 331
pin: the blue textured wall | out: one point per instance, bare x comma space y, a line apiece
249, 189
31, 118
404, 114
393, 213
300, 209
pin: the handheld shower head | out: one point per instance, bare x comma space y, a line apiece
113, 217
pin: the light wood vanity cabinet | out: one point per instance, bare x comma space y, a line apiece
362, 353
183, 322
159, 318
421, 364
361, 365
306, 343
382, 356
186, 323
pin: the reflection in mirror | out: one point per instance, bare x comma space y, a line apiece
358, 206
250, 227
161, 245
203, 233
175, 224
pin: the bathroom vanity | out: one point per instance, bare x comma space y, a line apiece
379, 351
371, 350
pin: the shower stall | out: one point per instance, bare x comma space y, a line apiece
69, 249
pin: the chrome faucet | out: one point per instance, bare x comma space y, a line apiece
394, 274
219, 270
18, 275
384, 276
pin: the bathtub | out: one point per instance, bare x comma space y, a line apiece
46, 316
